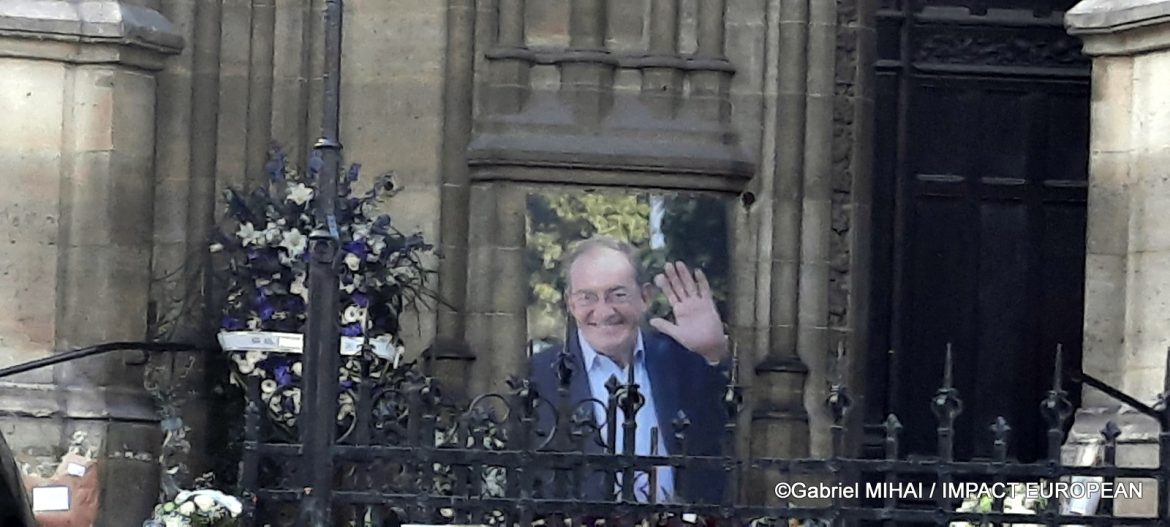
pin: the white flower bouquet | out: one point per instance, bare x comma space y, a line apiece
199, 508
266, 244
264, 249
1015, 503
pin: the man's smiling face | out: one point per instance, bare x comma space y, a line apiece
606, 301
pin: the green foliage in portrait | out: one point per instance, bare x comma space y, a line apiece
695, 232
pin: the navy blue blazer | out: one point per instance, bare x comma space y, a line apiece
680, 380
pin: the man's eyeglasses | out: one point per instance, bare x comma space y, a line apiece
615, 297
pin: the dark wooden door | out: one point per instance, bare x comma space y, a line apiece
981, 178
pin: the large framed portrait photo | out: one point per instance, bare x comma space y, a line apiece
663, 226
628, 291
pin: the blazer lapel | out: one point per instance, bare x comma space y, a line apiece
665, 384
579, 381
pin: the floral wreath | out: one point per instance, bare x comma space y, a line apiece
264, 250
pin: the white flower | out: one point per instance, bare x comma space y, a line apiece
271, 233
298, 287
361, 232
352, 261
233, 505
299, 194
377, 247
344, 410
204, 502
294, 242
175, 521
216, 247
296, 368
187, 509
267, 386
248, 235
246, 363
353, 314
353, 285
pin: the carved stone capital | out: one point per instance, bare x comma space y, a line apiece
1121, 27
87, 32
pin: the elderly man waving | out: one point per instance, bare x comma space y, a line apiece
677, 365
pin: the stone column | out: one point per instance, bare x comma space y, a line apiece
1127, 275
77, 89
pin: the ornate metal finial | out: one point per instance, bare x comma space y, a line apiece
1056, 368
1056, 407
946, 404
733, 400
893, 430
523, 390
630, 398
680, 423
582, 421
893, 426
564, 368
948, 368
999, 431
1110, 432
613, 385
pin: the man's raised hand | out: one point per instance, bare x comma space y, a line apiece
696, 325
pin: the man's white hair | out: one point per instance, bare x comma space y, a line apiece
583, 247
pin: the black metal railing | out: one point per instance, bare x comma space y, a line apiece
403, 453
100, 349
14, 505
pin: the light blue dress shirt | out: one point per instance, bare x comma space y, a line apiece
600, 368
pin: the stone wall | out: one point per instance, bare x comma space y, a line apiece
1127, 289
78, 90
767, 102
473, 104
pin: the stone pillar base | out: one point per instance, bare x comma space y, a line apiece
77, 86
1137, 447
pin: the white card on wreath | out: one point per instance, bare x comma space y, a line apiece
273, 341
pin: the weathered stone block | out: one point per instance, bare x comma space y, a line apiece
1112, 104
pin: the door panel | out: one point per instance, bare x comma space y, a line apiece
981, 170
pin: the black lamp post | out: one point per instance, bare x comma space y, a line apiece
319, 397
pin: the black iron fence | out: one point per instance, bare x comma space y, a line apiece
404, 453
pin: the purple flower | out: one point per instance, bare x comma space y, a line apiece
283, 375
345, 385
231, 323
359, 249
266, 311
294, 304
275, 164
351, 330
360, 299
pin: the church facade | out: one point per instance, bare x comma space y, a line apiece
897, 175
